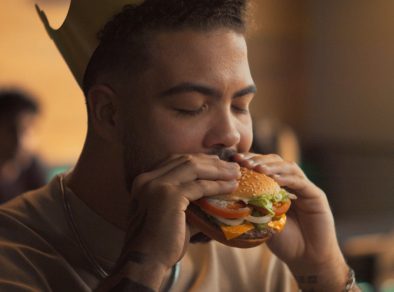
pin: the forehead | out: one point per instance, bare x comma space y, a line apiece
188, 55
200, 43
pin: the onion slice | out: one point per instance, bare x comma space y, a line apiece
291, 196
259, 220
231, 222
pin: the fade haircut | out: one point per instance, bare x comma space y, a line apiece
124, 41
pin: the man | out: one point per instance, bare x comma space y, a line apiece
168, 92
20, 169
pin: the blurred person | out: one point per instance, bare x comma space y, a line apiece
168, 90
20, 168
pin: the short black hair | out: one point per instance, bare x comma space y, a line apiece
124, 39
13, 102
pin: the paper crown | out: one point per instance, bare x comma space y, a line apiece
77, 38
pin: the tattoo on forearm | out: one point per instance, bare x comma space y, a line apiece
127, 285
138, 216
307, 280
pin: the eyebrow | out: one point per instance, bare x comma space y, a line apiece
187, 87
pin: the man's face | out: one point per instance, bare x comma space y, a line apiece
193, 98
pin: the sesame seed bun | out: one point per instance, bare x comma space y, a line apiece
252, 184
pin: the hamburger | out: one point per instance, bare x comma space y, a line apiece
246, 217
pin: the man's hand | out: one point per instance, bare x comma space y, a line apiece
158, 234
308, 243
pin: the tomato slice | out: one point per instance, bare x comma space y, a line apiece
281, 208
263, 211
224, 209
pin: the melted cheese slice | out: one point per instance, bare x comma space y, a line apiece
231, 232
278, 225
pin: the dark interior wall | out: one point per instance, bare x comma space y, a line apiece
277, 47
326, 68
348, 130
351, 72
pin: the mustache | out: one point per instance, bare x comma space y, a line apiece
225, 154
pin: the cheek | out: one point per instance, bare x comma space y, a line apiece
174, 136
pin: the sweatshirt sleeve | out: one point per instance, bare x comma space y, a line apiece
29, 263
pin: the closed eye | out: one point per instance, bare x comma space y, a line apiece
191, 112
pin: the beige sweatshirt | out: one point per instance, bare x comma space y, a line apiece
39, 252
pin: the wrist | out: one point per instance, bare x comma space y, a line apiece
328, 276
137, 271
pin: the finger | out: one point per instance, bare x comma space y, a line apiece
280, 167
243, 156
169, 159
296, 183
250, 160
169, 164
208, 168
203, 188
166, 166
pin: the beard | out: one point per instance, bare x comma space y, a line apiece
137, 158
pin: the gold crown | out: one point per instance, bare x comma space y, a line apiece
77, 38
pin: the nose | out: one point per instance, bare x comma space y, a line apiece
223, 131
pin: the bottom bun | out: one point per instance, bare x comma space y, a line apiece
198, 219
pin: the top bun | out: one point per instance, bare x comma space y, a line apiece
252, 184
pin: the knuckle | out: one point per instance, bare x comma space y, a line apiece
166, 189
191, 162
216, 158
173, 156
182, 202
141, 180
149, 188
236, 165
166, 192
188, 157
201, 184
275, 156
293, 164
256, 156
219, 163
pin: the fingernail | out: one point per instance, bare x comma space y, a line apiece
233, 183
235, 166
252, 163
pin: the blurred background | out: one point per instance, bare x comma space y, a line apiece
325, 77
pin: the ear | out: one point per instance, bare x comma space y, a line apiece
104, 105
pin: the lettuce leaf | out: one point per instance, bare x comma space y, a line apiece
267, 201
